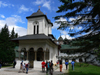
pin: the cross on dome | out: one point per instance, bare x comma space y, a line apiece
39, 6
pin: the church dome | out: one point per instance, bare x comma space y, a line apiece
38, 13
60, 39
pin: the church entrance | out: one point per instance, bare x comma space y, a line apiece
40, 54
31, 54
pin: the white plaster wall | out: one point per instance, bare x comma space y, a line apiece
43, 44
30, 25
44, 27
50, 30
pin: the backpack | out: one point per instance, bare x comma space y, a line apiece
48, 65
26, 65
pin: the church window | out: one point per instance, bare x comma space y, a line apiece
34, 29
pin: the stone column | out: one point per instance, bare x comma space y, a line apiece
35, 55
27, 55
19, 54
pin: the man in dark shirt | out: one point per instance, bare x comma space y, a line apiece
51, 67
14, 63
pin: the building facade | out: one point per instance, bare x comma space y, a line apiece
38, 44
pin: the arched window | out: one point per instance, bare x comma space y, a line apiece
36, 27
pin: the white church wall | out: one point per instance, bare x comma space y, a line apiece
30, 25
46, 27
50, 30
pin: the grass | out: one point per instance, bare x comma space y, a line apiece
10, 65
85, 69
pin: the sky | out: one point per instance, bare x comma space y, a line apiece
14, 13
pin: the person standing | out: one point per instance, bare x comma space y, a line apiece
72, 64
0, 64
66, 63
27, 67
46, 66
21, 66
57, 63
51, 68
14, 63
60, 63
24, 67
43, 66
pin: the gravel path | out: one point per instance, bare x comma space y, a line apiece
36, 71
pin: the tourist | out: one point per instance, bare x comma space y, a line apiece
14, 63
66, 63
27, 67
57, 63
60, 63
51, 67
24, 68
21, 67
72, 64
46, 66
0, 64
43, 66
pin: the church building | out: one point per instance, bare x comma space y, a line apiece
38, 44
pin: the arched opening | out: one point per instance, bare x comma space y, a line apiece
31, 54
36, 27
80, 60
40, 54
23, 54
47, 54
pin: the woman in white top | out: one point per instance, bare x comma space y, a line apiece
24, 67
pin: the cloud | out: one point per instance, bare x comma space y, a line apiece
2, 16
3, 4
55, 25
44, 3
47, 5
65, 34
24, 9
12, 22
38, 2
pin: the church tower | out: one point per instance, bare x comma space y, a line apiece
38, 23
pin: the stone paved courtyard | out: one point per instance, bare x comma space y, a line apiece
37, 71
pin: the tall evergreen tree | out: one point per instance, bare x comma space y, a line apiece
85, 15
7, 53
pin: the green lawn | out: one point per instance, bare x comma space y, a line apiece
10, 65
85, 69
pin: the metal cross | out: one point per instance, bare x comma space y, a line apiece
39, 6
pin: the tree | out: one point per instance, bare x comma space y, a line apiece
7, 53
85, 15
